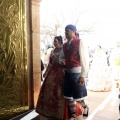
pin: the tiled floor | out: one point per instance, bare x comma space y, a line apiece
102, 106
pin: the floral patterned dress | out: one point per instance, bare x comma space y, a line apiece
50, 101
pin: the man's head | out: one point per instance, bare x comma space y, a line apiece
70, 31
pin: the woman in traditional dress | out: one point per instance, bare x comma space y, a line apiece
51, 102
99, 76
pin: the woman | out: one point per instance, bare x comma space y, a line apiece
99, 76
51, 102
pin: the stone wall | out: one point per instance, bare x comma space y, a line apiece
35, 45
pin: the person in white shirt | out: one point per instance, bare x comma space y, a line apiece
74, 56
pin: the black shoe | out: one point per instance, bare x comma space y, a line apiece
86, 111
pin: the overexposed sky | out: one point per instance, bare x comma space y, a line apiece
102, 15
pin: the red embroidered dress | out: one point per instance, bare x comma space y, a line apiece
51, 102
71, 52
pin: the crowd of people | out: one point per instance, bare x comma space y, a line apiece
63, 92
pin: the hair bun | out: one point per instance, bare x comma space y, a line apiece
59, 39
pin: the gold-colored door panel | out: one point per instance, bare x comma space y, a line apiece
13, 57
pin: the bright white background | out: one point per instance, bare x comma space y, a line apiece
102, 15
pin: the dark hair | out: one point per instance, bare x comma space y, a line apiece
59, 38
77, 34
